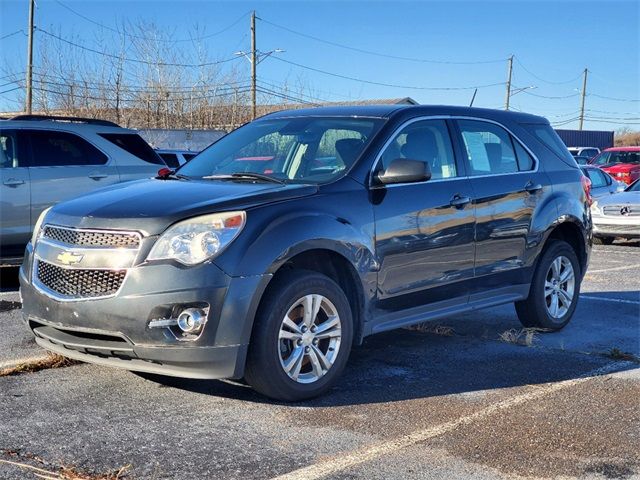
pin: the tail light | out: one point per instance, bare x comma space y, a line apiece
586, 186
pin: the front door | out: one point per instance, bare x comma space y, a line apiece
424, 231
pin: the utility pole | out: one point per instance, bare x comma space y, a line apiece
30, 58
254, 64
583, 95
508, 94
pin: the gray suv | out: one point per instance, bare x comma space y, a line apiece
44, 160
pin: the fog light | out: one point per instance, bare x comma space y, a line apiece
191, 320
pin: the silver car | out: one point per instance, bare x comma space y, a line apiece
602, 184
617, 215
44, 160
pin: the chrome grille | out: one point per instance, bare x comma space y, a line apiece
92, 238
79, 283
616, 210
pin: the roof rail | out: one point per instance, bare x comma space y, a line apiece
91, 121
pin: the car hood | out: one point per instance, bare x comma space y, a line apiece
622, 198
151, 205
620, 167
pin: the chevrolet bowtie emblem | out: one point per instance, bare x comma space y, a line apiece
69, 258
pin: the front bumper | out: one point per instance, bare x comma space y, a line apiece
114, 331
609, 226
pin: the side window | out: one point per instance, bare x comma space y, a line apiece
550, 139
489, 148
525, 160
54, 149
8, 149
597, 178
135, 145
427, 141
171, 159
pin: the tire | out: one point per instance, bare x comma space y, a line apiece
538, 310
283, 361
603, 240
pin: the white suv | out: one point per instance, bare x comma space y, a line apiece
44, 160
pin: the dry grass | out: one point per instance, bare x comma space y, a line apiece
524, 337
627, 139
57, 472
53, 360
427, 327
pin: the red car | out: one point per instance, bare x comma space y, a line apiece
622, 163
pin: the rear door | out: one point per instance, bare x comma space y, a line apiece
15, 196
64, 165
142, 161
424, 231
508, 187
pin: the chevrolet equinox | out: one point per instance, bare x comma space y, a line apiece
289, 240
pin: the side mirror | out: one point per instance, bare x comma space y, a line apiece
404, 170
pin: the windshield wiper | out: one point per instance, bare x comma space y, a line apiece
241, 175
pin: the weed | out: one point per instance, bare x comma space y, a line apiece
52, 360
525, 336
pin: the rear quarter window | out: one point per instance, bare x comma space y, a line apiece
135, 145
551, 140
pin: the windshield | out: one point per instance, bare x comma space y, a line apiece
610, 158
295, 150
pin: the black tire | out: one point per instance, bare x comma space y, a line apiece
534, 312
264, 371
603, 240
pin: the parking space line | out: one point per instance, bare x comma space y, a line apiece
356, 457
15, 292
613, 269
607, 299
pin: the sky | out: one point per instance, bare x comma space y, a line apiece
394, 48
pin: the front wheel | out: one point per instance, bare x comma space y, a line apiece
301, 339
554, 290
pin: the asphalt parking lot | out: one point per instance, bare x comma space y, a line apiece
449, 402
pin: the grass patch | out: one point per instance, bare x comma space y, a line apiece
524, 337
52, 360
40, 468
427, 327
617, 354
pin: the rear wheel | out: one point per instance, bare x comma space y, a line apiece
554, 290
603, 240
301, 339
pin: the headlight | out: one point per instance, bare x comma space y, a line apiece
198, 239
38, 225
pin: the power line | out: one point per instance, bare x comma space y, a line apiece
549, 96
134, 60
615, 99
378, 54
371, 82
544, 80
13, 33
10, 90
151, 39
285, 96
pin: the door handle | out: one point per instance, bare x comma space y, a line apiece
459, 201
13, 182
532, 187
97, 176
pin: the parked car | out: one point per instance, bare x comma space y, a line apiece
602, 183
617, 215
588, 152
364, 219
44, 160
175, 158
622, 163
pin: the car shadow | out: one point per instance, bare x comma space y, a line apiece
466, 357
